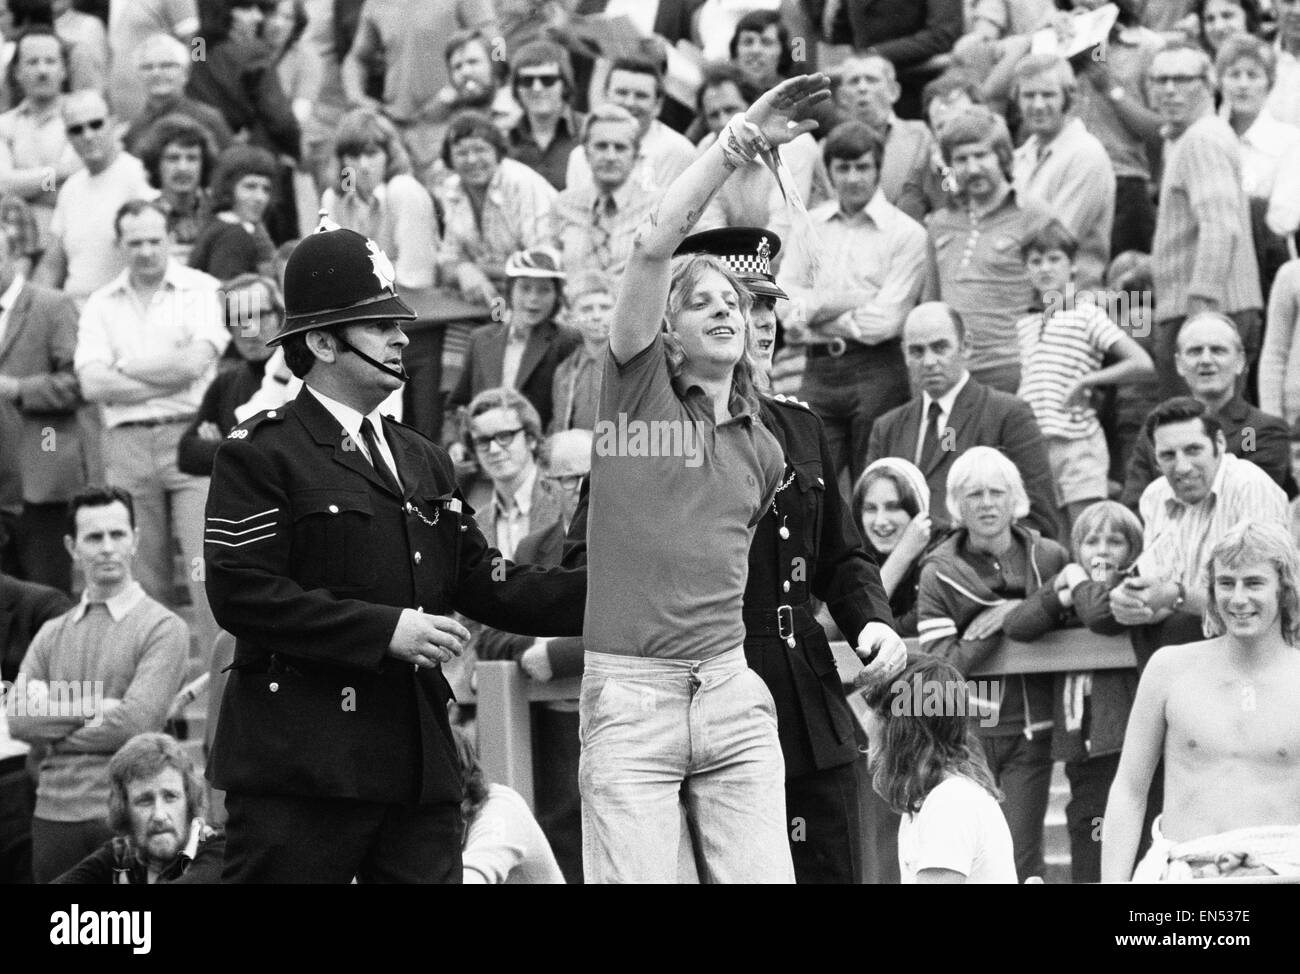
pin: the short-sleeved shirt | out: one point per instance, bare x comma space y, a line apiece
1057, 349
669, 535
982, 276
959, 827
32, 141
83, 222
115, 325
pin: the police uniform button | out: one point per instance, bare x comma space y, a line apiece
274, 688
270, 414
785, 586
334, 508
418, 557
820, 482
784, 532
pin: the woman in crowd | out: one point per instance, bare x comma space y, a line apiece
891, 506
237, 75
503, 842
930, 770
178, 154
1270, 150
971, 586
235, 240
1091, 708
1218, 20
377, 196
493, 207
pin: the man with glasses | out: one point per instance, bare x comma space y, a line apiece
81, 254
1204, 253
541, 78
504, 432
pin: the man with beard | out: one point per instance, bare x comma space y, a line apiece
155, 805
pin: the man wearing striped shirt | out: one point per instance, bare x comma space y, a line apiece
1204, 253
1204, 492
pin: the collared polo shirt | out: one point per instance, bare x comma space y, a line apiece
668, 536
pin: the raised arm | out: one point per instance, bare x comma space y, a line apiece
772, 120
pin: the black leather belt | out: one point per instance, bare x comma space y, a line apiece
783, 621
150, 423
838, 347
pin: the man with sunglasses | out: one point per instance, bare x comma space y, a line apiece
541, 79
1203, 256
338, 549
82, 255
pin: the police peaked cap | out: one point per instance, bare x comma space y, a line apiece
335, 277
748, 251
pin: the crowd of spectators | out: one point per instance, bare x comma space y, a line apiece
1043, 293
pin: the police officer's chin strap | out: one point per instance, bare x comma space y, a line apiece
397, 373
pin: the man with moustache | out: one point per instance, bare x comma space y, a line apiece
155, 805
337, 550
1221, 713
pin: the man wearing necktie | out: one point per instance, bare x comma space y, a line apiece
337, 550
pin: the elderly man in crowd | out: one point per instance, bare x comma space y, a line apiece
1204, 254
117, 637
592, 224
164, 66
1211, 360
1062, 165
155, 805
953, 411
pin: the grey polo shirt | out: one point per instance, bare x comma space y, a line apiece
675, 499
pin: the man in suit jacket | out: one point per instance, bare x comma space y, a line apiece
45, 457
951, 412
24, 608
521, 353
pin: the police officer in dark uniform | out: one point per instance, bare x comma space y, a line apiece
806, 546
337, 548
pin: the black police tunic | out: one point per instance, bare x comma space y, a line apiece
806, 545
310, 561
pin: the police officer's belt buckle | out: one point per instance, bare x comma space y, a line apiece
785, 624
836, 347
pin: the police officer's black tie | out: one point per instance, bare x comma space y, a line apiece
930, 441
377, 458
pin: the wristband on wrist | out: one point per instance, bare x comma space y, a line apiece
740, 141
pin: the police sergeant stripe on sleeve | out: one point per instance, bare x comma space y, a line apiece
210, 531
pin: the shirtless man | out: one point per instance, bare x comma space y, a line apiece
1222, 713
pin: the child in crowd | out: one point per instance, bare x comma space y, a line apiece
1063, 349
929, 770
1091, 709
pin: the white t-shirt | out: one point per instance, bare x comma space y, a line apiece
959, 827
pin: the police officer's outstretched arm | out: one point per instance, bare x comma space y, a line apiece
772, 120
248, 551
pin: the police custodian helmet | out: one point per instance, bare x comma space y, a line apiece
337, 276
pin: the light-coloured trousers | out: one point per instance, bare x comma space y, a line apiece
169, 507
659, 736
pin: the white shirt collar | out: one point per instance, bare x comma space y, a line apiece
946, 401
118, 606
11, 293
523, 494
349, 418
